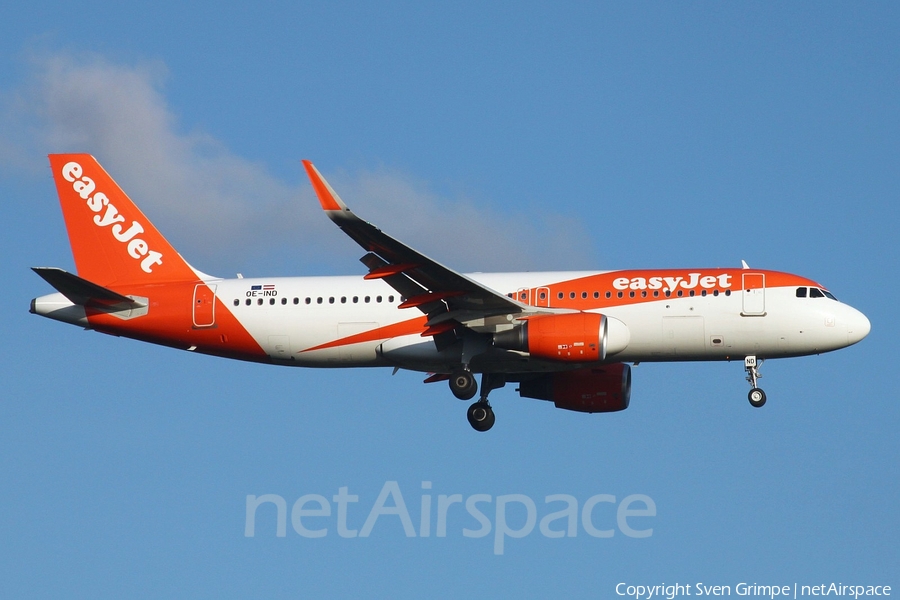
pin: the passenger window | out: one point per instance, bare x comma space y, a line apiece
248, 301
715, 292
377, 298
308, 300
272, 301
237, 302
583, 295
343, 299
297, 300
631, 294
619, 294
572, 295
608, 294
319, 300
284, 300
727, 292
816, 293
368, 298
656, 293
331, 300
560, 295
390, 298
801, 292
596, 295
355, 299
643, 293
259, 302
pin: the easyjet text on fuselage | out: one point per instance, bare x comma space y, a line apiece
670, 284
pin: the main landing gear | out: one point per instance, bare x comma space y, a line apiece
480, 415
463, 385
756, 396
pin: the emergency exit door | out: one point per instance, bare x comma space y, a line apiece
204, 305
754, 294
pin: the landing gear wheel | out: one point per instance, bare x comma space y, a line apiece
481, 416
463, 385
757, 397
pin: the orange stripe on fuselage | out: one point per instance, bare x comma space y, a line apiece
589, 293
411, 326
169, 321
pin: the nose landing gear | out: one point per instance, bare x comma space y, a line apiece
757, 397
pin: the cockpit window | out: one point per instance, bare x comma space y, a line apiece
814, 293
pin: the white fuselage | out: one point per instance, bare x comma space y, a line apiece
302, 313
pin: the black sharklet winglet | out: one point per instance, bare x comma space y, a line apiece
85, 293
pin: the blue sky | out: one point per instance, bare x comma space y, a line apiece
510, 136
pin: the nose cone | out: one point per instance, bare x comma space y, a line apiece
858, 326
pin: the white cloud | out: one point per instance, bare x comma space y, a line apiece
221, 209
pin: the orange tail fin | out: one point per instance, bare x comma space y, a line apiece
112, 241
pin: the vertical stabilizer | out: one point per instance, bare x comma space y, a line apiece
112, 241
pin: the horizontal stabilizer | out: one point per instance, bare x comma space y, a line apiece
84, 293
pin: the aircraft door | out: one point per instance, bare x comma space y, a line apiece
534, 297
204, 310
754, 294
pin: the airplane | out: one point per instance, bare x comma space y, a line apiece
564, 337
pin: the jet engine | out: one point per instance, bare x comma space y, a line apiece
572, 337
606, 388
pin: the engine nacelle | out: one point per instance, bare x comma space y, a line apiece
606, 388
571, 337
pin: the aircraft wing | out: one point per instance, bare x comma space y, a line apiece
438, 291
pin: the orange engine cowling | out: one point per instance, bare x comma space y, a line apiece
606, 388
572, 337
